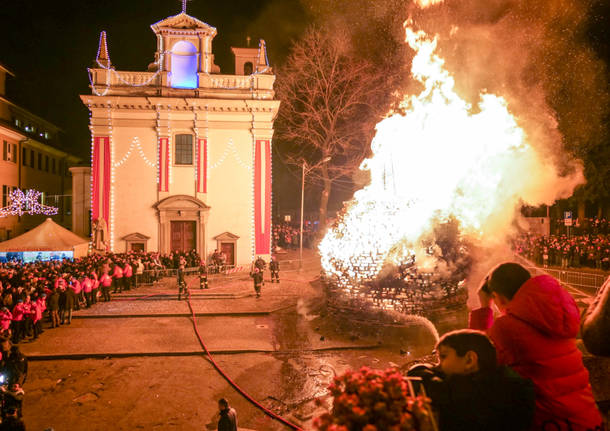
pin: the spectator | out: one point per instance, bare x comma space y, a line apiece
470, 391
228, 416
53, 307
14, 364
11, 421
536, 335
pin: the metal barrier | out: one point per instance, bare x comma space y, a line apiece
585, 280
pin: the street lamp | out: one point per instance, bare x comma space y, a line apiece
302, 202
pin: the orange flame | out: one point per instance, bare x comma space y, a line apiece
443, 158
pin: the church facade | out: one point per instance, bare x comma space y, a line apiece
181, 154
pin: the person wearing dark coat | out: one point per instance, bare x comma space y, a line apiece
274, 267
257, 277
53, 307
203, 276
67, 300
228, 416
469, 391
14, 364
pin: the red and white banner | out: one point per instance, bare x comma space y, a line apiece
100, 205
163, 164
202, 166
234, 270
262, 197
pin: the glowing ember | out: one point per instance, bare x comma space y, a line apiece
443, 159
425, 3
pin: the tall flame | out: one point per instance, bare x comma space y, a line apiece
442, 159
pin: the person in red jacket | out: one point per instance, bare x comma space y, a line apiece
105, 283
77, 289
5, 320
127, 276
536, 336
87, 286
117, 278
38, 307
18, 321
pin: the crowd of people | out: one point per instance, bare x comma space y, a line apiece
287, 235
581, 245
590, 225
31, 291
588, 250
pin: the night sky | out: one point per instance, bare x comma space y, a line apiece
49, 45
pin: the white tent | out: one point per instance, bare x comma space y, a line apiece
47, 236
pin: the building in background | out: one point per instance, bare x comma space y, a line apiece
181, 154
32, 158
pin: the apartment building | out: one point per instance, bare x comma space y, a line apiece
32, 158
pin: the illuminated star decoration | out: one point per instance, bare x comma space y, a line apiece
26, 203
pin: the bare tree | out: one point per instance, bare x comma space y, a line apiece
331, 101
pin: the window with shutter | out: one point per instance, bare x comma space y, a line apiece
184, 150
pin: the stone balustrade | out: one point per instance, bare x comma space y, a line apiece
102, 78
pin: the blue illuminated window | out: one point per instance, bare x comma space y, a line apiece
184, 65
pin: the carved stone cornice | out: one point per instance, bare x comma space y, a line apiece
177, 105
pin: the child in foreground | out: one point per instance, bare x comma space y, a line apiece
469, 391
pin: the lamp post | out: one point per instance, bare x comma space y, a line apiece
305, 168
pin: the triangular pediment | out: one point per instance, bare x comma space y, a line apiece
136, 236
226, 236
182, 21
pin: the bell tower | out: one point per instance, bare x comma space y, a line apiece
184, 49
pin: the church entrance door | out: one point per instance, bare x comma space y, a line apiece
183, 236
228, 248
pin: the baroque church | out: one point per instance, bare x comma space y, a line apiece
180, 153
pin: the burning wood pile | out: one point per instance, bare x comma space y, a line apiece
444, 174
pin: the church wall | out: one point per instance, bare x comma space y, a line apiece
230, 188
135, 190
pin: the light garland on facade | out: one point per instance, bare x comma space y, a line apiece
270, 203
230, 148
169, 146
26, 203
197, 166
91, 177
158, 130
252, 182
112, 182
135, 143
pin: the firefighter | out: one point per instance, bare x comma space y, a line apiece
203, 276
274, 267
181, 277
257, 276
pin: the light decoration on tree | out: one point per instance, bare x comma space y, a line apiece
26, 203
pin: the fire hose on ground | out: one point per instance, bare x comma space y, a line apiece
265, 410
241, 391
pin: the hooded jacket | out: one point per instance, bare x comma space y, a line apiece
536, 336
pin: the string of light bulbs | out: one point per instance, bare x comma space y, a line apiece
135, 143
230, 148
